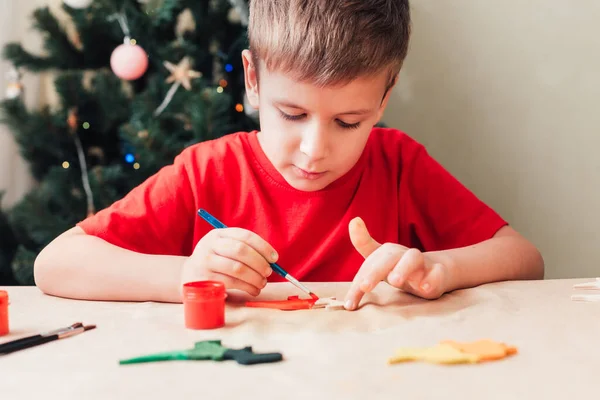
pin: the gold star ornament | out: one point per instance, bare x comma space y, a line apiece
182, 73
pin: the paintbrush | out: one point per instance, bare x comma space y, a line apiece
215, 223
36, 340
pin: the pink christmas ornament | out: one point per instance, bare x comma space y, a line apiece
129, 61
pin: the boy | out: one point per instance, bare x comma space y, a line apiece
317, 189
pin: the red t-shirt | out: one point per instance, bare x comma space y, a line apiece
403, 195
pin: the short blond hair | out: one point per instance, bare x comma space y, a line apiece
329, 42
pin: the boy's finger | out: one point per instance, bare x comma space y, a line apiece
233, 283
379, 264
253, 240
361, 238
242, 252
374, 269
408, 265
412, 281
353, 297
236, 270
433, 285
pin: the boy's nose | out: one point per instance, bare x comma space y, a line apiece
313, 144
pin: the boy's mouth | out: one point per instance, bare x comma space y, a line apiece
310, 175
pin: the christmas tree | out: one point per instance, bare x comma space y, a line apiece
137, 82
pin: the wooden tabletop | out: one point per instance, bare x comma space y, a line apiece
327, 354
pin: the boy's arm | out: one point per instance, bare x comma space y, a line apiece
82, 266
506, 256
132, 250
450, 238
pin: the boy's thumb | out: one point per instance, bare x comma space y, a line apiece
360, 237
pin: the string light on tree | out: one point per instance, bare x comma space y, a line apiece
72, 120
78, 4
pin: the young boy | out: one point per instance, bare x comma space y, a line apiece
318, 189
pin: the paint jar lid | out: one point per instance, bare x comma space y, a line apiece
203, 290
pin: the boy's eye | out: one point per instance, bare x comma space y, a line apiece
291, 117
297, 117
348, 126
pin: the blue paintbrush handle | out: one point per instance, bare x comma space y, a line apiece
215, 223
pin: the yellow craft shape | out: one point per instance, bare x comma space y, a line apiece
486, 349
440, 354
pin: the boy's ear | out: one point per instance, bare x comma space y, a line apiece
250, 78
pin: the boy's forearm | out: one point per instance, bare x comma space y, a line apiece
498, 259
80, 266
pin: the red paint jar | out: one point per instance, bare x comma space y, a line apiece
3, 313
204, 304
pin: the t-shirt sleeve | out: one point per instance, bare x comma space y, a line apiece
156, 217
441, 211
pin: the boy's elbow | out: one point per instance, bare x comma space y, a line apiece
534, 262
538, 265
42, 270
47, 263
529, 263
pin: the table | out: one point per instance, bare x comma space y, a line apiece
327, 354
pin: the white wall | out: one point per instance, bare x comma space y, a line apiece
506, 95
15, 25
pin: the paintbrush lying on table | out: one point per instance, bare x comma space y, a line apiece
36, 340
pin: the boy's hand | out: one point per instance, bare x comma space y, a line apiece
407, 269
237, 257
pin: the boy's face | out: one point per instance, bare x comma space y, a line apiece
313, 135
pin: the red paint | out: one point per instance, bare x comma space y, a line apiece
292, 303
204, 304
3, 313
314, 296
